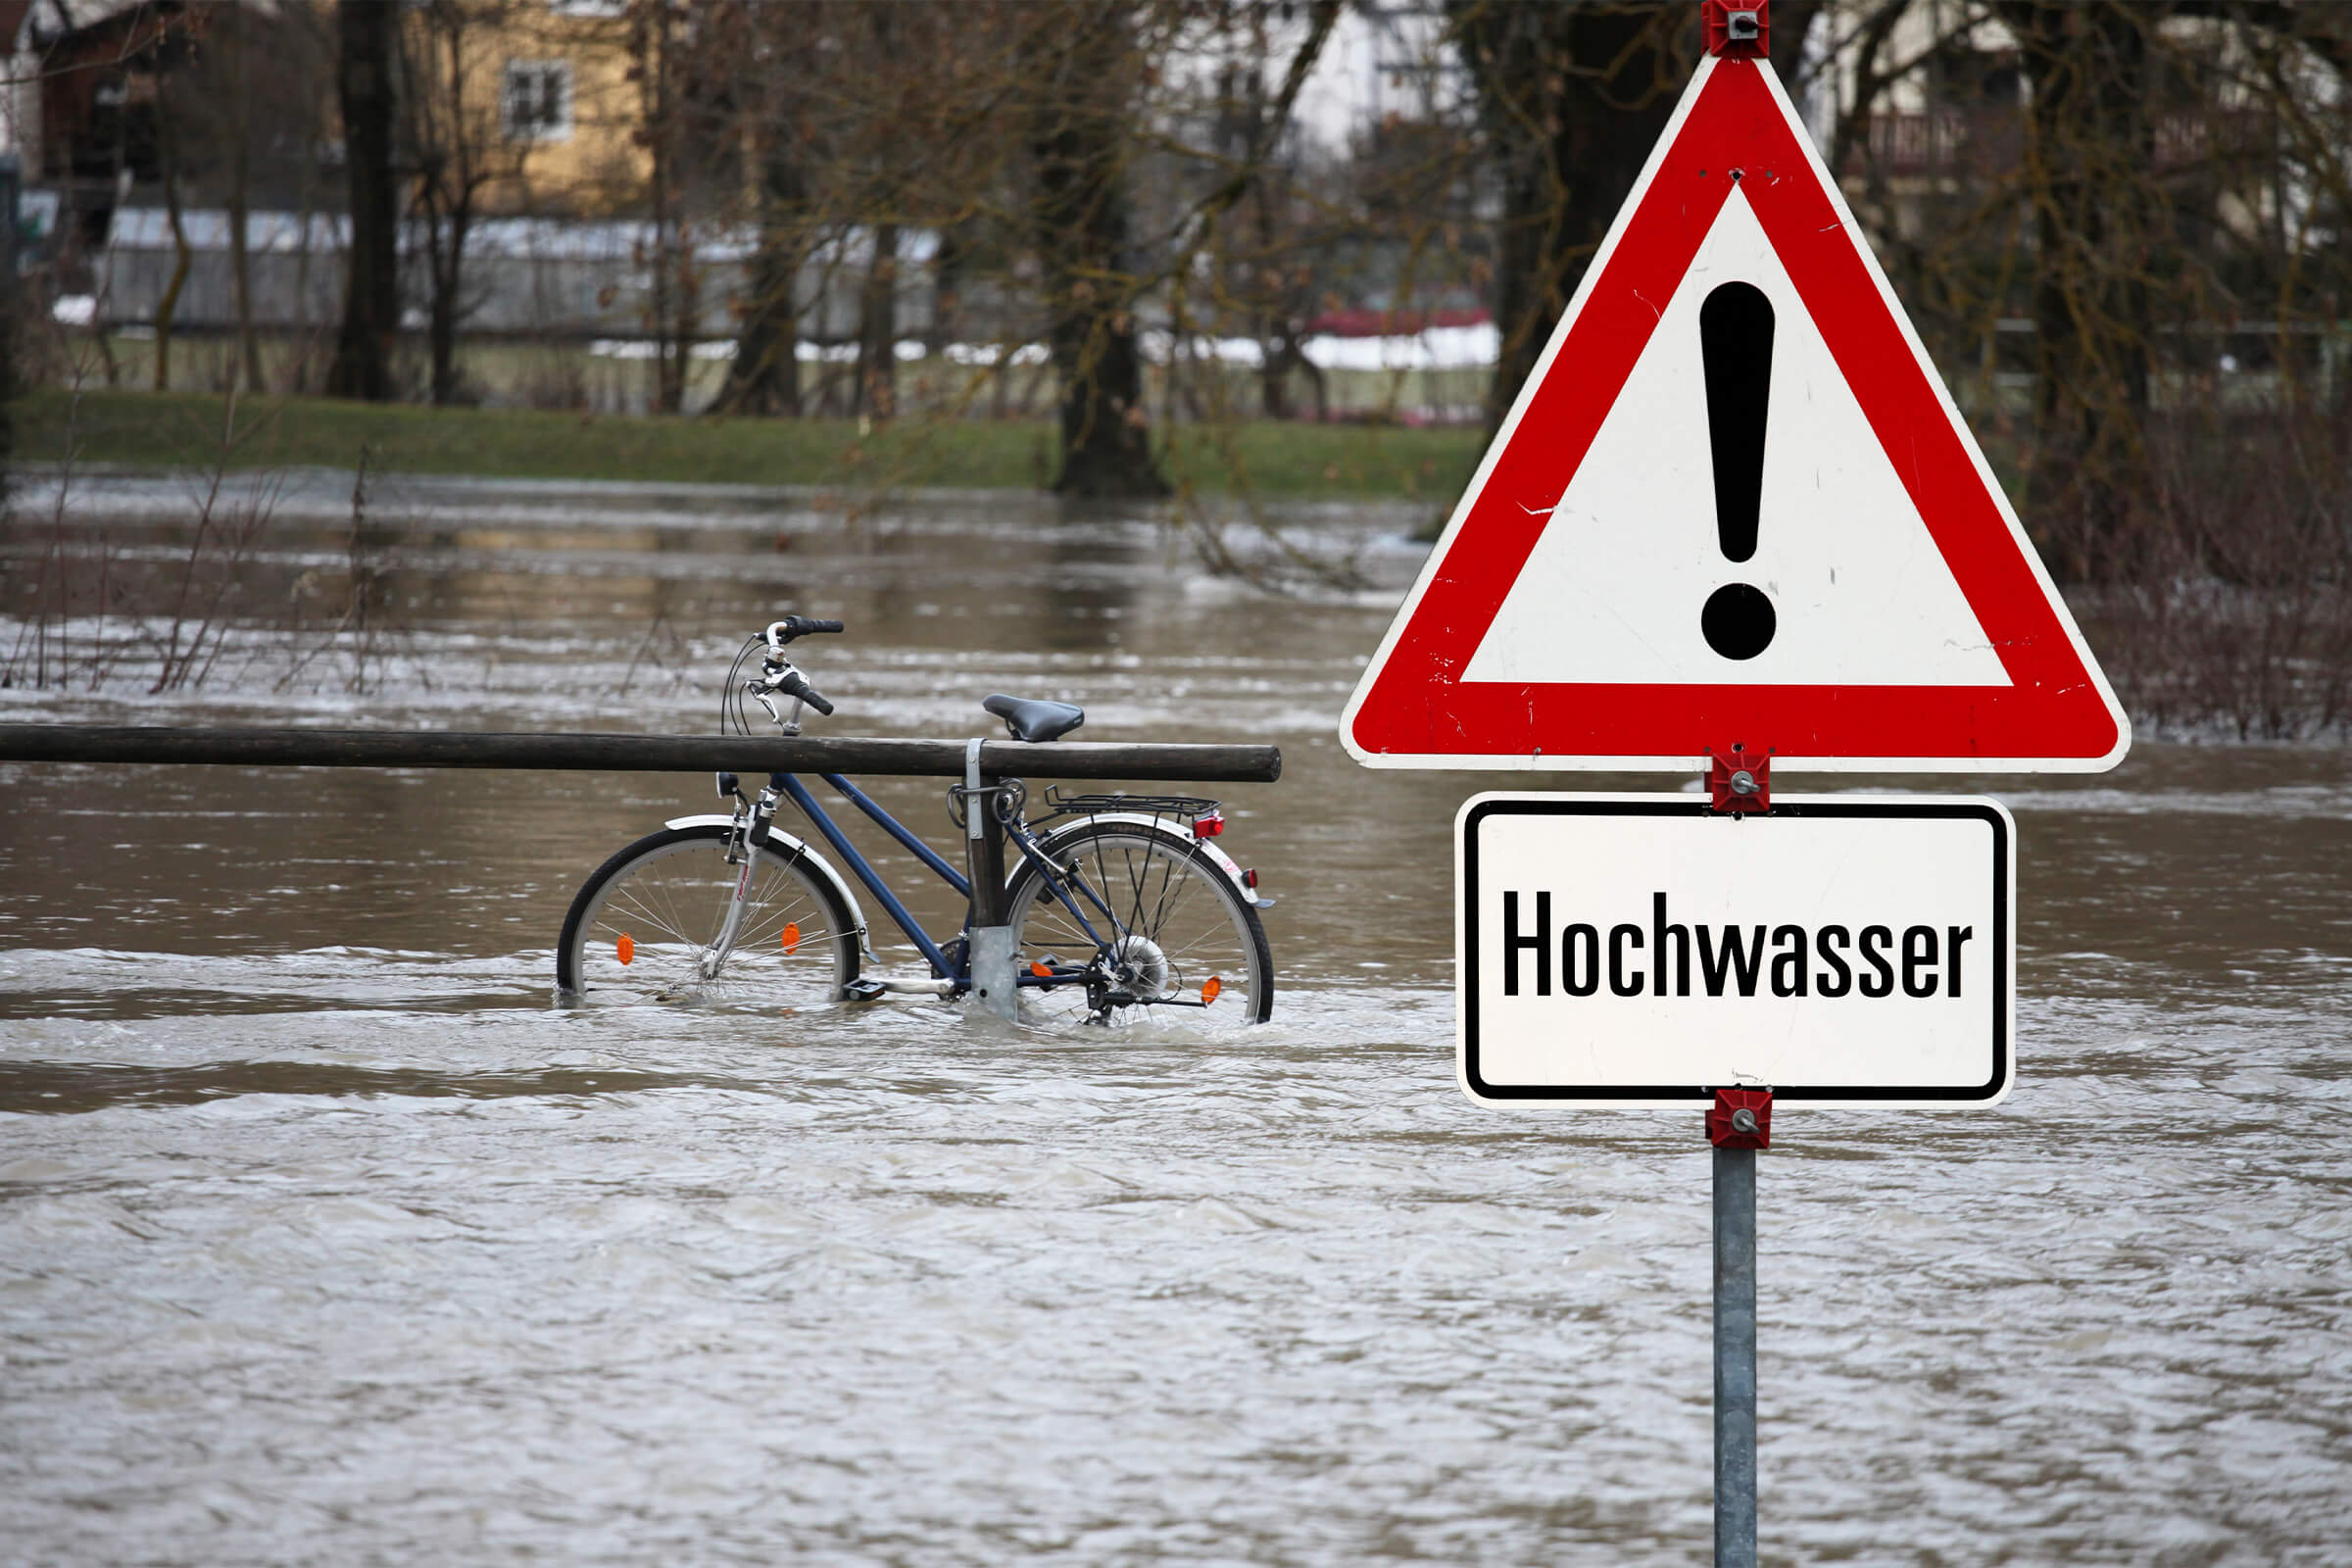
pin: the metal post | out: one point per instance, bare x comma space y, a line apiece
990, 953
1734, 1357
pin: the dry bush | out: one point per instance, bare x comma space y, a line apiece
86, 611
2237, 617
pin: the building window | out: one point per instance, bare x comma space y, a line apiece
589, 8
538, 100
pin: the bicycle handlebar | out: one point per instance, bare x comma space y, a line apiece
780, 632
780, 675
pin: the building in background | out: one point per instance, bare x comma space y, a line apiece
542, 93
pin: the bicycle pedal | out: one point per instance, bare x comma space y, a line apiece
868, 986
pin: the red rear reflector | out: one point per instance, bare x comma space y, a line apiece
792, 936
624, 948
1210, 988
1249, 878
1208, 824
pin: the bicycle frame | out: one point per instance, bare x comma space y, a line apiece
1092, 903
955, 968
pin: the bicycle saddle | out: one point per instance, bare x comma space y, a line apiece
1031, 719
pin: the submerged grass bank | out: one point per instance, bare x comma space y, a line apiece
193, 429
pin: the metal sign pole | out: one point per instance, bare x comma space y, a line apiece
1739, 1124
1735, 1358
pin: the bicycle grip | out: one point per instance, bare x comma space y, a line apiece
780, 632
797, 685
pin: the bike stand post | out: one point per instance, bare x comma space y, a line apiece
990, 947
1739, 1124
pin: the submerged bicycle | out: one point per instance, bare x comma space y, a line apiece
1119, 906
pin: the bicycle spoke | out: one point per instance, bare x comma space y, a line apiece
1171, 922
672, 901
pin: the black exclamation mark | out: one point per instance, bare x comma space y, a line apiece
1735, 342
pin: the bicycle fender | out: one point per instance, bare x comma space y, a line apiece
777, 838
1160, 825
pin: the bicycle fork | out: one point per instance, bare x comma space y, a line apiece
743, 853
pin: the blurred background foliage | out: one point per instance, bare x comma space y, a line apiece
1135, 249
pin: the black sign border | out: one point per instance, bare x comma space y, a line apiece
1818, 1094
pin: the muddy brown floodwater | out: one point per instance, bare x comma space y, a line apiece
327, 1236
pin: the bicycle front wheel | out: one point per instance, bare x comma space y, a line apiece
1161, 922
647, 928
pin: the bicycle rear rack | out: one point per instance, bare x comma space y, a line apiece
1184, 806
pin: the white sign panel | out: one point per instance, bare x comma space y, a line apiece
1635, 952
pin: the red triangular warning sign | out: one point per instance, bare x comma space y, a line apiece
1735, 504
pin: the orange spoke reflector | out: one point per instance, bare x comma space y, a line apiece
1040, 970
792, 937
624, 948
1210, 988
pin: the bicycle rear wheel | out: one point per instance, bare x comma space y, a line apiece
1165, 921
643, 927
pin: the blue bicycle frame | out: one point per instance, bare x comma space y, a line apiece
958, 967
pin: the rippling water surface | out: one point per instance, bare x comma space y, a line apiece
327, 1236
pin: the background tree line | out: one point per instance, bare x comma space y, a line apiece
2119, 223
2117, 199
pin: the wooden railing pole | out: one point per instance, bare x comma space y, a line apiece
635, 754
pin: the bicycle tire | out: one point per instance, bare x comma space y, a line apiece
640, 924
1175, 919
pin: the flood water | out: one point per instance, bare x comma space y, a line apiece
326, 1236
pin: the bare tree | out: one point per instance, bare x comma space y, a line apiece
2100, 194
659, 32
367, 34
1572, 98
464, 141
1271, 274
849, 122
232, 35
1085, 69
183, 254
761, 50
2091, 153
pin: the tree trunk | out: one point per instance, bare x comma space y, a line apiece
167, 308
240, 182
686, 316
765, 375
1273, 375
1245, 95
441, 145
445, 242
1277, 330
877, 390
367, 38
1572, 99
11, 302
947, 285
1082, 74
672, 300
2089, 168
306, 337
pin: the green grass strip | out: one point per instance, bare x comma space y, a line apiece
1279, 461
